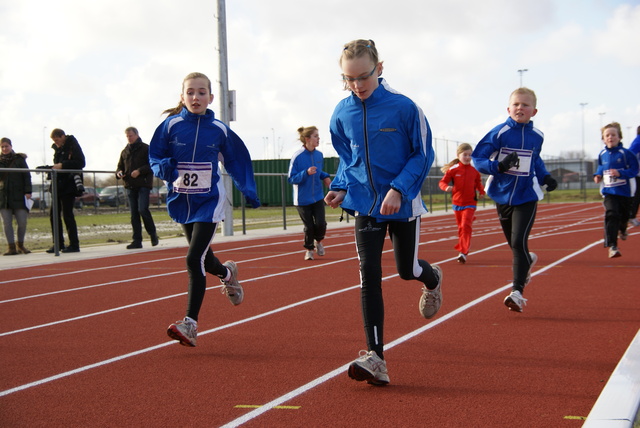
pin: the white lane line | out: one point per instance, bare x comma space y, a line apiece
318, 381
310, 385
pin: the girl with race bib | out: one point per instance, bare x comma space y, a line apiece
510, 153
617, 169
184, 152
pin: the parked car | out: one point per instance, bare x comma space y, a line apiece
154, 197
112, 196
40, 195
89, 197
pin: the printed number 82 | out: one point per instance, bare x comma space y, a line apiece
190, 180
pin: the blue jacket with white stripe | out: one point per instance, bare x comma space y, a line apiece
517, 185
383, 142
187, 138
307, 189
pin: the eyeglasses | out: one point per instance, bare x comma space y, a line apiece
361, 78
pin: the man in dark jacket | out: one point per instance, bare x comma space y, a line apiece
67, 155
134, 170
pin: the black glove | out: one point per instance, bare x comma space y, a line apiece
551, 183
508, 162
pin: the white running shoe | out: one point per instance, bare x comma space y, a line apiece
319, 249
185, 331
515, 301
431, 300
534, 259
308, 255
232, 288
369, 367
462, 258
614, 252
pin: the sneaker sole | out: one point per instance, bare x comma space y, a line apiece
513, 306
176, 335
361, 374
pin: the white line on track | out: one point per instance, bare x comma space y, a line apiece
317, 381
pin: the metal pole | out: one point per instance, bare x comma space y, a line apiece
522, 70
224, 109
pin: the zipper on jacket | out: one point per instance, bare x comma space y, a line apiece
367, 158
515, 186
193, 157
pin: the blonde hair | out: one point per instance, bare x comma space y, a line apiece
357, 49
461, 148
180, 106
525, 91
615, 125
305, 132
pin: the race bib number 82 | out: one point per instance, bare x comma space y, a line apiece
193, 177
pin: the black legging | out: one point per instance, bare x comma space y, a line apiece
616, 216
516, 222
200, 260
370, 236
315, 225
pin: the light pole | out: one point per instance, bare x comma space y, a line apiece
521, 71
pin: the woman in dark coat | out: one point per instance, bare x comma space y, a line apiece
15, 189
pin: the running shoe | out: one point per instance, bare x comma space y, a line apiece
431, 300
613, 252
623, 235
185, 331
635, 222
534, 259
232, 288
319, 249
308, 255
515, 301
369, 367
462, 258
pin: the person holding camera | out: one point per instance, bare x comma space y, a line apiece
67, 155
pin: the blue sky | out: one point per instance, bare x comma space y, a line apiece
94, 68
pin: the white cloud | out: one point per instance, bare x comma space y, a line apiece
95, 68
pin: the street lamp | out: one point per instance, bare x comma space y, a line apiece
521, 71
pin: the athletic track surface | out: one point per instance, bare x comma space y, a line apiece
84, 343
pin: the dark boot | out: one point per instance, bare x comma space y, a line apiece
22, 249
11, 251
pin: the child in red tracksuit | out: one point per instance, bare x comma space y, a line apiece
463, 180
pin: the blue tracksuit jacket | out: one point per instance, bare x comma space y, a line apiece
517, 185
626, 162
307, 189
184, 152
383, 142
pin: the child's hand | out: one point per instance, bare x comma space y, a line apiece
614, 173
597, 178
334, 199
391, 203
449, 189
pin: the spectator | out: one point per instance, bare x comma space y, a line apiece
135, 171
15, 192
67, 155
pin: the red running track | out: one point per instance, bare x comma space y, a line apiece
84, 343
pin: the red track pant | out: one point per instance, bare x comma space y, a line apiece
464, 218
